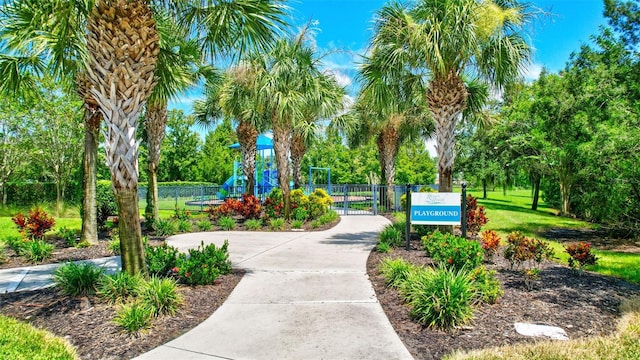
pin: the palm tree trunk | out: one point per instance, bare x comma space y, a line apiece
89, 184
281, 147
247, 137
388, 142
155, 124
447, 99
298, 149
122, 44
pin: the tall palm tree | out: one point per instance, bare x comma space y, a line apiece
325, 100
448, 39
286, 75
390, 107
47, 36
236, 97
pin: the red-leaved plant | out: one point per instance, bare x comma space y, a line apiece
490, 242
36, 225
476, 217
580, 255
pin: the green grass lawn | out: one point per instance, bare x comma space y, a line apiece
512, 212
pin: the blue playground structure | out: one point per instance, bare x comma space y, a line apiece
266, 175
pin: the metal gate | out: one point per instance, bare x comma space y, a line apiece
365, 199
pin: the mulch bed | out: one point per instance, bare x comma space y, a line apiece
88, 323
584, 304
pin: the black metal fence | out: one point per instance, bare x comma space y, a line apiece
355, 199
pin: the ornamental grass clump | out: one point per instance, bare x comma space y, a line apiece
397, 271
36, 251
118, 287
161, 294
77, 278
134, 316
391, 235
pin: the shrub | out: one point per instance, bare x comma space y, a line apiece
118, 287
36, 225
77, 278
442, 298
274, 204
476, 217
319, 203
490, 242
165, 227
134, 317
276, 224
184, 226
203, 265
204, 225
227, 223
530, 252
114, 246
316, 224
328, 217
69, 236
297, 224
301, 214
580, 255
36, 251
181, 214
486, 284
455, 252
161, 294
299, 205
229, 208
106, 201
161, 259
251, 208
383, 247
16, 243
391, 235
253, 224
396, 271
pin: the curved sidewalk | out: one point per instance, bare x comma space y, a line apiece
306, 295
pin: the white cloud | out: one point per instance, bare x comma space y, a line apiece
532, 72
343, 79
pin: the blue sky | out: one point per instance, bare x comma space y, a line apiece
345, 28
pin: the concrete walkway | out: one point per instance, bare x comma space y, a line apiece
306, 295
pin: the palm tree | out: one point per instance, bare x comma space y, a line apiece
390, 107
286, 84
326, 98
48, 37
236, 97
448, 39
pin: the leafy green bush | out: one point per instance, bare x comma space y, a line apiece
36, 251
391, 235
107, 205
453, 251
118, 287
297, 224
442, 298
164, 227
253, 224
276, 224
69, 236
328, 217
114, 246
227, 223
134, 317
161, 294
184, 226
319, 203
300, 214
77, 278
486, 284
204, 225
15, 243
203, 265
161, 259
299, 205
20, 340
396, 271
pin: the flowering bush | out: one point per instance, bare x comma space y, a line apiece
476, 217
528, 251
490, 242
453, 251
36, 225
580, 255
319, 203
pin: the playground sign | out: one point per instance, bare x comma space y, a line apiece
435, 208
